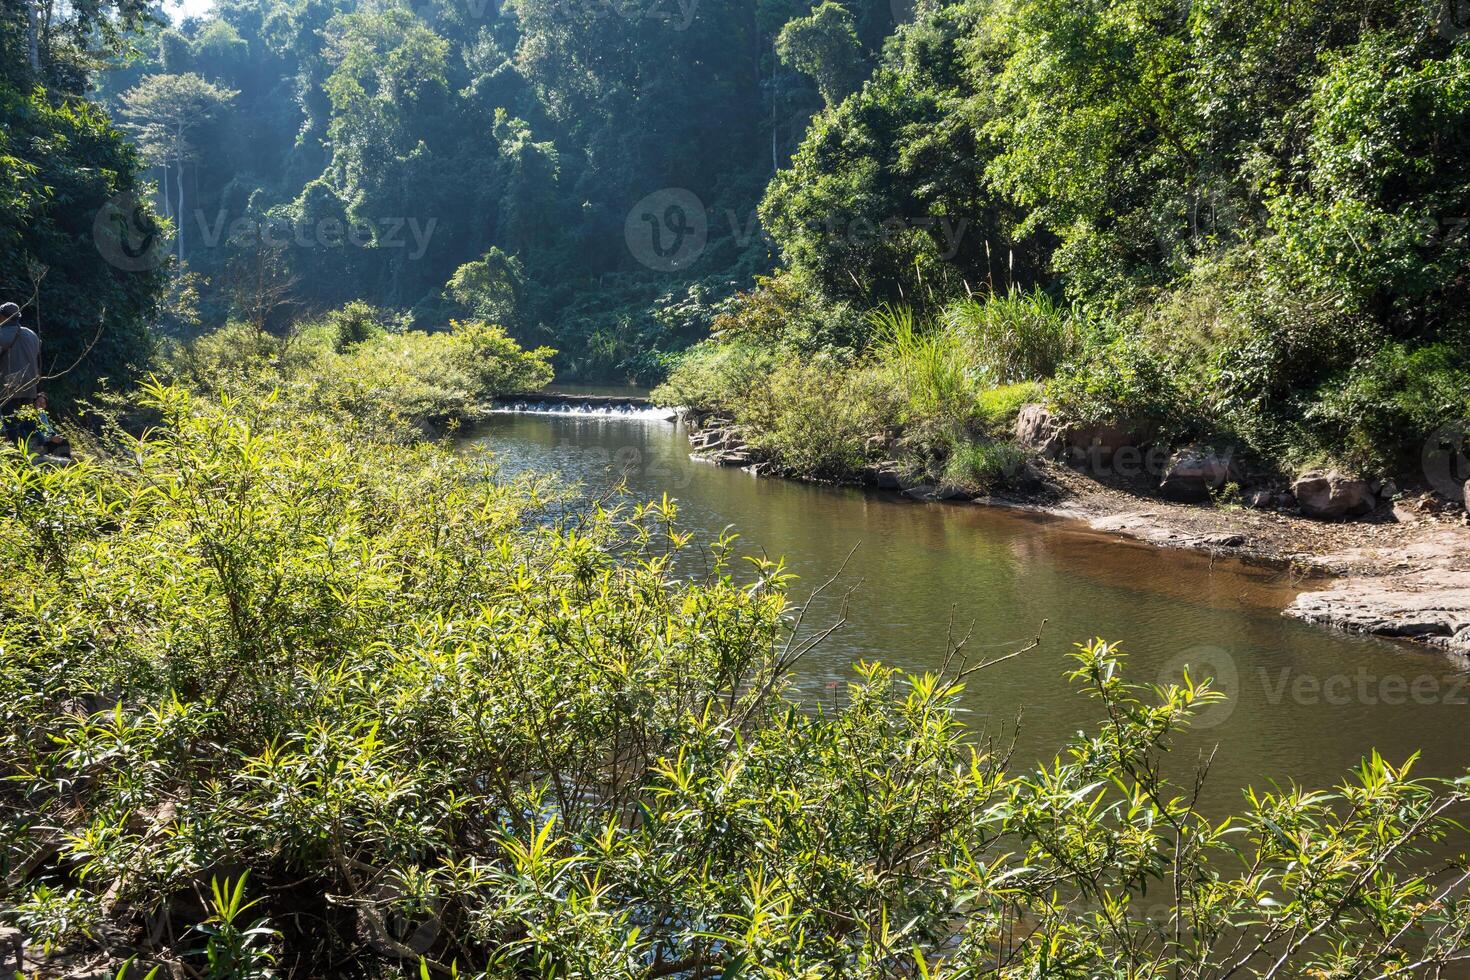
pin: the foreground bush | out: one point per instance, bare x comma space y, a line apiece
427, 726
405, 379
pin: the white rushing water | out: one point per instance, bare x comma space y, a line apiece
612, 410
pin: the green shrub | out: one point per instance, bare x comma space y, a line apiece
356, 323
713, 376
1378, 416
1016, 336
816, 419
278, 696
405, 380
998, 407
983, 465
1121, 380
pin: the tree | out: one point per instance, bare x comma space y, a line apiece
825, 46
64, 172
165, 111
491, 288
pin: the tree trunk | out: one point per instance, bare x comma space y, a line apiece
179, 139
33, 44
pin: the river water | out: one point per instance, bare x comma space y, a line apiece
1305, 703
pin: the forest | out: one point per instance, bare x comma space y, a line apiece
297, 683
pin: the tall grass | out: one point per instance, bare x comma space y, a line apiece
937, 378
1017, 336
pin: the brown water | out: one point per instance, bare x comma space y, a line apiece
1306, 703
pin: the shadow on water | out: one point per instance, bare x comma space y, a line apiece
1306, 703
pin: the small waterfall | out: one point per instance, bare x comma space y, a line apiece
584, 406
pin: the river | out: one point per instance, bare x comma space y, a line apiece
1305, 703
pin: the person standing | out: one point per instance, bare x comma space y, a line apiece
20, 370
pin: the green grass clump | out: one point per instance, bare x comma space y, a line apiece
999, 406
984, 465
1015, 336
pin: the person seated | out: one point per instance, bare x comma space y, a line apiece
50, 439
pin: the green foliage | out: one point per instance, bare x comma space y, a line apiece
233, 949
357, 361
355, 323
439, 725
1247, 198
815, 418
935, 378
1016, 336
492, 287
1386, 156
983, 465
713, 376
825, 46
1120, 380
999, 406
1391, 401
61, 163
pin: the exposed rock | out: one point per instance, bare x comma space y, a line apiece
1037, 431
720, 442
1331, 495
1106, 445
932, 492
1028, 479
1193, 474
1260, 499
885, 476
1432, 608
1105, 437
1224, 541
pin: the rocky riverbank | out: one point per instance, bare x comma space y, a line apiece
1389, 564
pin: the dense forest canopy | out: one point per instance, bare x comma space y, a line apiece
540, 162
1261, 203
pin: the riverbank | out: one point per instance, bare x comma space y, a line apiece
1401, 572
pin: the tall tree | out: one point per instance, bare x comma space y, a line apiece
164, 113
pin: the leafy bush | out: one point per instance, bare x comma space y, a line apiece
1378, 416
998, 407
1120, 380
403, 379
713, 376
277, 693
356, 323
816, 419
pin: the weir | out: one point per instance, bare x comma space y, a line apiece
591, 406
